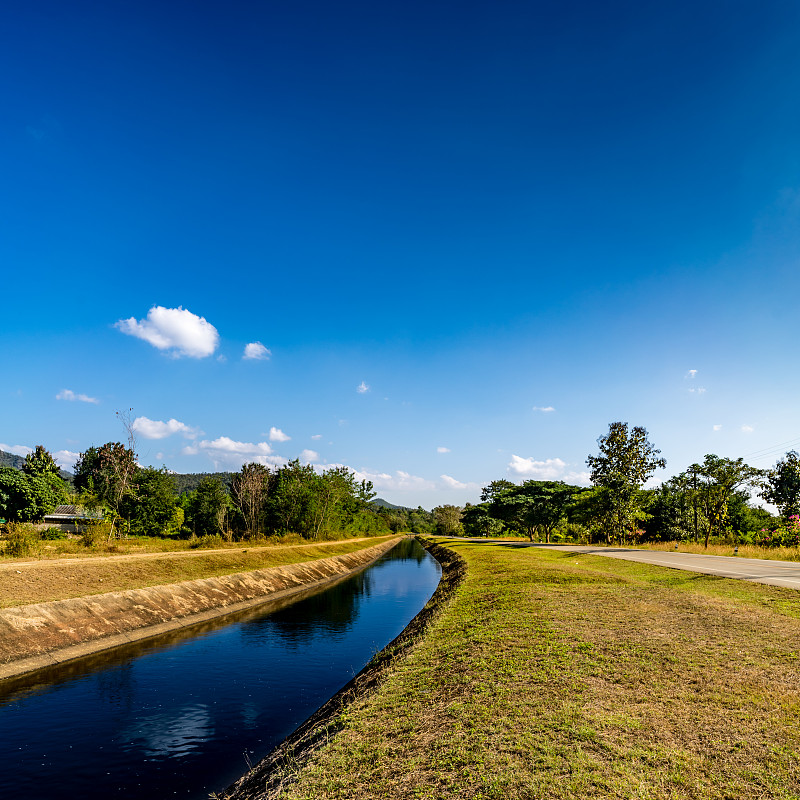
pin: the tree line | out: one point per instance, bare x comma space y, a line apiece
709, 501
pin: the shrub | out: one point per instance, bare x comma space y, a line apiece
21, 540
52, 534
787, 534
208, 540
95, 533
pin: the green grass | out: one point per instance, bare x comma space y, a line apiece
556, 675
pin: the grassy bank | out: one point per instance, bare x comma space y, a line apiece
556, 675
42, 581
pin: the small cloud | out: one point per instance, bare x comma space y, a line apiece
307, 456
156, 429
362, 388
255, 351
698, 390
718, 427
452, 483
159, 456
66, 459
747, 428
317, 436
190, 450
277, 435
544, 409
225, 451
68, 394
691, 373
173, 329
442, 449
551, 469
16, 449
221, 358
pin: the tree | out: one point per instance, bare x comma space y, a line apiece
782, 487
151, 505
488, 493
108, 473
534, 507
208, 507
626, 460
448, 520
250, 488
40, 462
24, 498
477, 521
717, 479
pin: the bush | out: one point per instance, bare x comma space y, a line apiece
95, 533
53, 534
21, 540
208, 540
787, 534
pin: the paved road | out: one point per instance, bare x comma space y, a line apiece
775, 573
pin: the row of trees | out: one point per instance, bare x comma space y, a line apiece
709, 499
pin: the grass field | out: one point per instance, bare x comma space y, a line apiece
556, 675
23, 581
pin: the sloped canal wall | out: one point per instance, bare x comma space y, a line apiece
43, 634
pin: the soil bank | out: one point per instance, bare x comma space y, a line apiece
44, 634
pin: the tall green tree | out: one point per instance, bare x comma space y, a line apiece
40, 462
448, 520
717, 479
250, 488
534, 507
782, 486
625, 461
151, 505
26, 498
207, 508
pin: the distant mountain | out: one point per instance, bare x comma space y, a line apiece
17, 462
379, 501
10, 460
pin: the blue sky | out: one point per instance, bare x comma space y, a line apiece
456, 240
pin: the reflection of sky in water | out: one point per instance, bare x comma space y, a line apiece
170, 734
184, 717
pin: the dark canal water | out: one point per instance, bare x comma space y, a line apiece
181, 716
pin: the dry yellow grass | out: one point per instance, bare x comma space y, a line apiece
23, 581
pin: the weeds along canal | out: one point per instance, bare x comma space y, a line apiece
185, 715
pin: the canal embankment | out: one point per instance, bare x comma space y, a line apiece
38, 635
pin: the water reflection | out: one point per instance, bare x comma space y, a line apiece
175, 716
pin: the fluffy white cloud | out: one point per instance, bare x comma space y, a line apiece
442, 449
747, 428
174, 329
65, 459
227, 452
257, 352
544, 409
362, 388
399, 481
277, 435
16, 449
552, 469
156, 429
68, 394
317, 436
691, 373
308, 456
451, 483
718, 427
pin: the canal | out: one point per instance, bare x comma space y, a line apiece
184, 715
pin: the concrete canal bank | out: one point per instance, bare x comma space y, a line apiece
44, 634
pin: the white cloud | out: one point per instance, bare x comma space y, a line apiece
442, 449
747, 428
453, 483
552, 469
307, 456
68, 394
317, 436
698, 390
362, 388
399, 481
16, 449
257, 352
227, 452
156, 429
691, 373
65, 459
718, 427
174, 329
544, 409
277, 435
